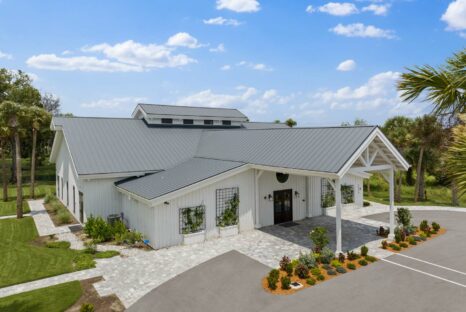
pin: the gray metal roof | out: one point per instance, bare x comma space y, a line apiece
180, 176
313, 149
157, 109
264, 125
116, 145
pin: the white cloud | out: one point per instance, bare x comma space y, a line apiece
455, 15
67, 52
347, 65
183, 39
4, 55
339, 8
219, 48
222, 21
379, 90
363, 31
240, 6
248, 99
79, 63
377, 9
225, 67
255, 66
310, 9
114, 103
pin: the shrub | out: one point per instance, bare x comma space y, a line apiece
118, 227
285, 282
423, 236
48, 198
274, 273
351, 255
327, 267
64, 217
331, 272
315, 271
370, 258
364, 250
384, 244
382, 231
341, 257
311, 281
417, 238
284, 262
398, 234
351, 266
435, 226
411, 240
341, 270
326, 255
294, 263
90, 247
98, 229
319, 238
403, 244
366, 203
129, 238
424, 226
58, 244
316, 255
308, 259
301, 271
362, 262
403, 217
272, 279
321, 277
336, 263
87, 307
106, 254
410, 230
289, 269
395, 247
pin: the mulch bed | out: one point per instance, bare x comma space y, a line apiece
90, 295
294, 278
54, 216
440, 232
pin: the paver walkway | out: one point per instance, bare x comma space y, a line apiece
42, 219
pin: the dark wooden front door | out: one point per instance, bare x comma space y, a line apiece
282, 206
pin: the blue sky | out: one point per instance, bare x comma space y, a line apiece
320, 62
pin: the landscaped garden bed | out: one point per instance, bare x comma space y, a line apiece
58, 212
313, 268
408, 235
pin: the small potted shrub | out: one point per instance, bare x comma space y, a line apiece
364, 251
301, 271
285, 282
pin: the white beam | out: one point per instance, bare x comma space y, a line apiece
338, 215
364, 162
359, 173
332, 184
392, 203
258, 174
300, 172
372, 168
371, 161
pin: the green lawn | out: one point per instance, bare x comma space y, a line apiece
22, 260
9, 208
436, 196
50, 299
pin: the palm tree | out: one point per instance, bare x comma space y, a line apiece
456, 155
398, 130
4, 137
37, 117
11, 114
444, 86
428, 133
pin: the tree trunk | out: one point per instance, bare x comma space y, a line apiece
398, 189
4, 174
33, 162
19, 184
13, 162
418, 177
422, 184
454, 193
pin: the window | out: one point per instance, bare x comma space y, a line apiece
167, 120
74, 200
188, 122
347, 194
226, 122
67, 195
327, 196
58, 186
282, 177
61, 188
227, 203
192, 219
208, 122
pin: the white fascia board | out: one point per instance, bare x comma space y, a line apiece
57, 139
133, 196
137, 109
393, 149
296, 171
115, 175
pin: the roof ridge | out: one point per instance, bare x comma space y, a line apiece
295, 128
171, 105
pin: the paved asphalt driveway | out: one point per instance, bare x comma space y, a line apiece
231, 282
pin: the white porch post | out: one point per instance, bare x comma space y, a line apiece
338, 215
391, 183
257, 175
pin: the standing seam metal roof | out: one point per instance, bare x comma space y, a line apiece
157, 109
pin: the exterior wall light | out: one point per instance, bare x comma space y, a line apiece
296, 194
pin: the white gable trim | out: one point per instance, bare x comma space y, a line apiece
377, 133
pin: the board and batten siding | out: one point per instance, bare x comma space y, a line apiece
268, 183
160, 224
65, 171
101, 198
314, 196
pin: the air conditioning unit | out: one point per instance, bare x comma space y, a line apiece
113, 218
